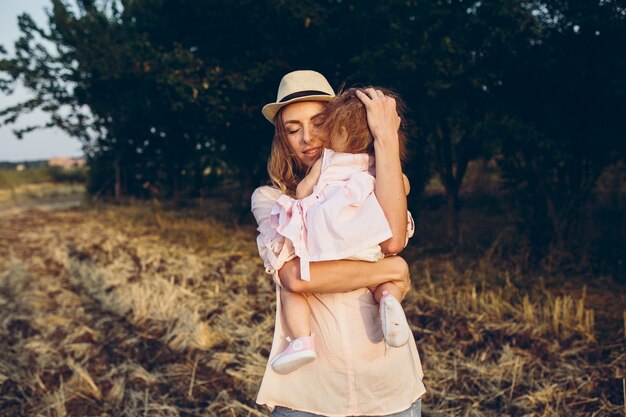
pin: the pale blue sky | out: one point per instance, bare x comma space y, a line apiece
40, 144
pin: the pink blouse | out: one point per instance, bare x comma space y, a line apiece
355, 373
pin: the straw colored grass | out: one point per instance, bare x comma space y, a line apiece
487, 354
135, 311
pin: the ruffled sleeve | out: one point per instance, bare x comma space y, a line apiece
274, 249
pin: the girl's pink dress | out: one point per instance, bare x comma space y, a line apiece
341, 219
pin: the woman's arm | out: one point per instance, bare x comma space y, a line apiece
343, 276
384, 122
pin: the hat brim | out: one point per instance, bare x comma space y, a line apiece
270, 110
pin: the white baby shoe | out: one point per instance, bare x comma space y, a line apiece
396, 329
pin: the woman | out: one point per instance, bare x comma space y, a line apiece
354, 374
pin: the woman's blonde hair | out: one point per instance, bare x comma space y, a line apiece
283, 166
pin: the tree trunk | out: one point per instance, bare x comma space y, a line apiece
451, 172
118, 182
241, 201
176, 188
452, 206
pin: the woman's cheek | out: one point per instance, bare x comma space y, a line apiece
322, 137
293, 141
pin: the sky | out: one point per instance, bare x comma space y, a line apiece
40, 144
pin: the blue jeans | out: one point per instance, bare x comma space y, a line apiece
415, 410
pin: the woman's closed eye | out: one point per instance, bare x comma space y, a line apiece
292, 127
317, 120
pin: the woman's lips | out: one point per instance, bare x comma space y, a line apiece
311, 153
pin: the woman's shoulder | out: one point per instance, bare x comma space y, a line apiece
265, 193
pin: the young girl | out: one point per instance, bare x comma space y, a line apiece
336, 216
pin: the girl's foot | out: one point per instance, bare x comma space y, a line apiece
396, 329
298, 353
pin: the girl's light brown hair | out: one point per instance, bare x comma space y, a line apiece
347, 111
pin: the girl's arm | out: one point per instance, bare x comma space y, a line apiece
384, 122
305, 187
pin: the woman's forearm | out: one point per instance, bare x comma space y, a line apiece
384, 123
390, 192
343, 276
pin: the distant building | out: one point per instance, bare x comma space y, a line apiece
20, 167
66, 162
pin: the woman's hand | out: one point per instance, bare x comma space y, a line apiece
382, 116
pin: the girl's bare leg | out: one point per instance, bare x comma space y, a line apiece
296, 313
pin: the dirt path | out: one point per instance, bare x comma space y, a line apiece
49, 204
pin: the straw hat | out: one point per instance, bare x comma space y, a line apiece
304, 85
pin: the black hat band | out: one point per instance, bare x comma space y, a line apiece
303, 94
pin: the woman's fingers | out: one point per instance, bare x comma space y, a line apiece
374, 94
364, 97
376, 101
369, 94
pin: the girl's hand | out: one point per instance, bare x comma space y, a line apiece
382, 117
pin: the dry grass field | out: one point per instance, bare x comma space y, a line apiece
139, 311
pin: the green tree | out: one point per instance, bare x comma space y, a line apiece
566, 98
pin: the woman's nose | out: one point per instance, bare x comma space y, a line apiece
306, 135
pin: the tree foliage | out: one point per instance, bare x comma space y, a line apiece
565, 100
165, 95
